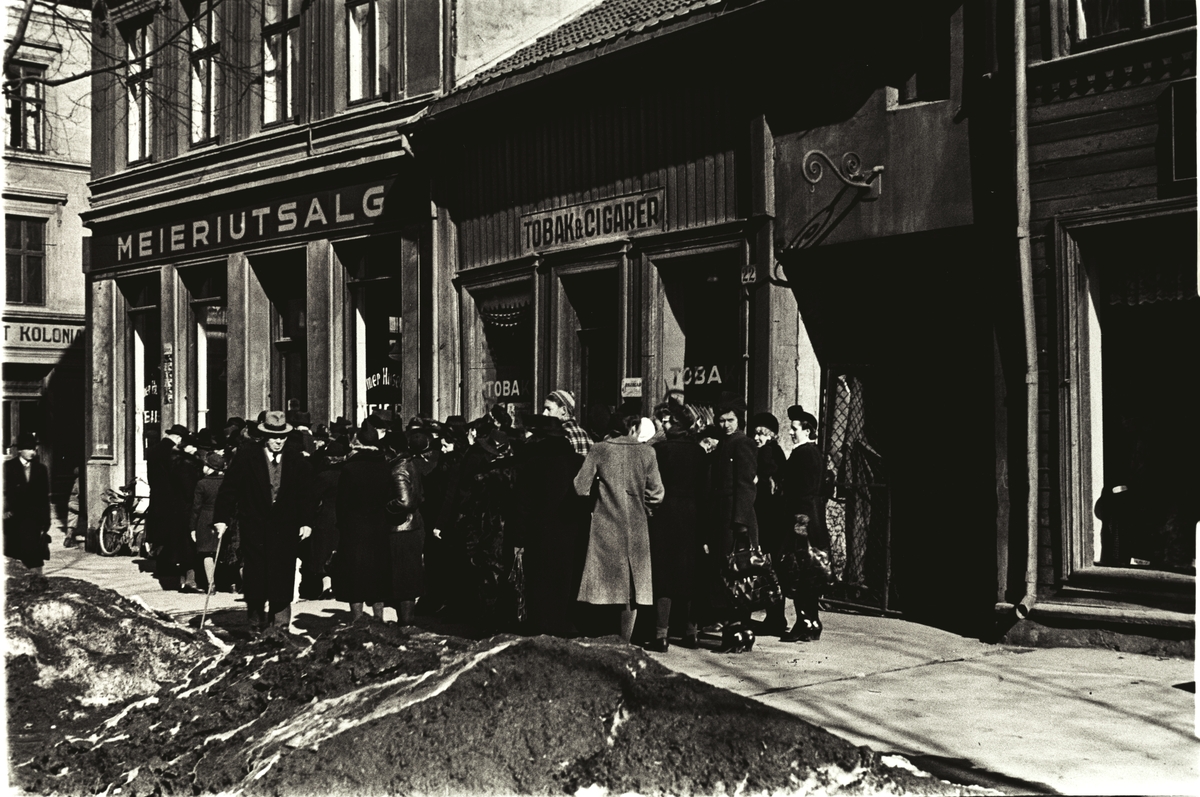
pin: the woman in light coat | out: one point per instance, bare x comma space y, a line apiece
622, 475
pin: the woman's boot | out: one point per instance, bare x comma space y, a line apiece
406, 611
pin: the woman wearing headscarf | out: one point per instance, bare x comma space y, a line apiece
774, 524
617, 570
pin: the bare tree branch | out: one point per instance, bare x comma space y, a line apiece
10, 52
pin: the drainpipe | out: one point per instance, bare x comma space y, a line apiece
1024, 606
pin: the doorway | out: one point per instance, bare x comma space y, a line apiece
588, 344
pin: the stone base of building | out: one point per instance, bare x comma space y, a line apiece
1129, 637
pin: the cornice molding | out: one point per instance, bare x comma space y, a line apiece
1164, 57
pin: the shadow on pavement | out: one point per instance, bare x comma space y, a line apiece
959, 770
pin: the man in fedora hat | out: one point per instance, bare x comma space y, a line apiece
269, 490
27, 509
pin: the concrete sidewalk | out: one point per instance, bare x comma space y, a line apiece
1022, 720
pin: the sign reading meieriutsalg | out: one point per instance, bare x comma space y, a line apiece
592, 222
232, 230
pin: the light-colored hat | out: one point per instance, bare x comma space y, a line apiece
275, 424
564, 399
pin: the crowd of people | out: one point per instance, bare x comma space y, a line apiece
529, 524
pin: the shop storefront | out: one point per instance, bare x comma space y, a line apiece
292, 300
604, 248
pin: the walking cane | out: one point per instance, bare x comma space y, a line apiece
213, 582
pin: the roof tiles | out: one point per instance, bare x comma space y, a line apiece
604, 22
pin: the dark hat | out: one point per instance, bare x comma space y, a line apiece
274, 424
215, 461
182, 431
766, 420
796, 412
341, 424
303, 419
544, 425
807, 419
380, 419
335, 449
502, 416
495, 443
419, 440
367, 435
206, 439
26, 440
681, 415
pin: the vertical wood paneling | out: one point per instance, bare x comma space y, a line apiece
683, 141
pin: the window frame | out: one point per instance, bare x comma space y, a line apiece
18, 99
284, 82
207, 54
370, 73
139, 73
23, 253
1144, 26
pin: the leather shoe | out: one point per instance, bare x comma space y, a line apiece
690, 641
657, 645
799, 633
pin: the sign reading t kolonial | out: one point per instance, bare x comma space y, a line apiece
593, 222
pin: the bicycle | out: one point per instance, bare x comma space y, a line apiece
123, 523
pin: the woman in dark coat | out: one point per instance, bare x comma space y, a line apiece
674, 537
774, 523
485, 508
362, 567
188, 469
406, 539
554, 525
625, 476
27, 507
806, 505
316, 551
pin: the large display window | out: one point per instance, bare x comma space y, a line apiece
144, 358
500, 350
207, 343
376, 324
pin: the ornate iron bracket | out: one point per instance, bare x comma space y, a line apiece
850, 173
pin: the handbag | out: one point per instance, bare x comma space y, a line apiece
750, 579
800, 577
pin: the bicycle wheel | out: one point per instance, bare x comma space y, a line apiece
113, 524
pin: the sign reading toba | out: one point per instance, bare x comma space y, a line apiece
590, 222
292, 216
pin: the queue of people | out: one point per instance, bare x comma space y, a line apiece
531, 524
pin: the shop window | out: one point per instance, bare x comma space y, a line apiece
205, 47
144, 366
500, 365
1113, 20
284, 280
208, 344
378, 335
25, 105
281, 60
1136, 324
139, 45
25, 260
362, 49
588, 342
21, 416
702, 332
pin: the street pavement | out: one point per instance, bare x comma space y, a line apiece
1020, 720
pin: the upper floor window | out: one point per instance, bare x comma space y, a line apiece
25, 260
281, 59
25, 104
362, 49
205, 45
1099, 18
139, 44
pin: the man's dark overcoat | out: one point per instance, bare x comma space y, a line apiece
674, 527
166, 514
554, 530
269, 532
28, 501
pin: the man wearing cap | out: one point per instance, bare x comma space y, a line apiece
166, 515
561, 404
27, 509
270, 492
